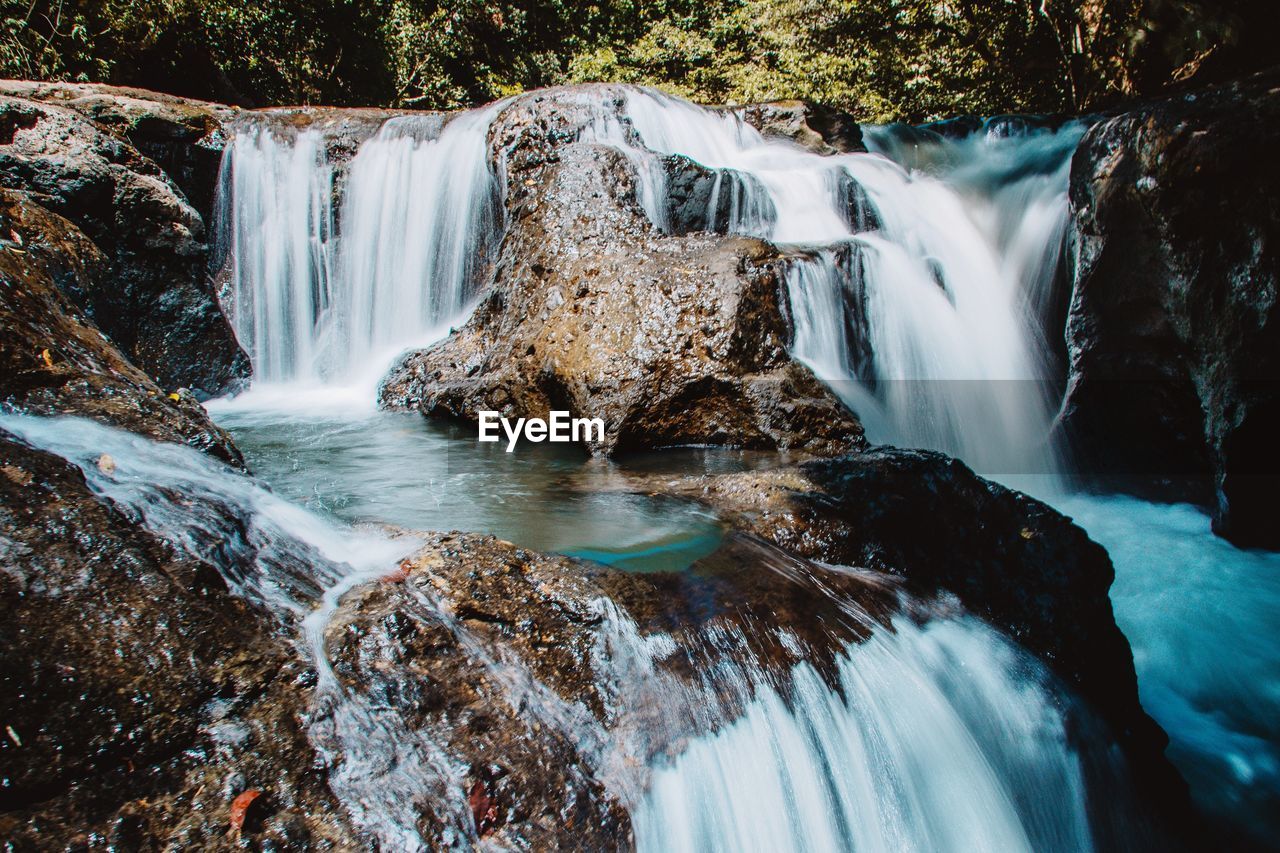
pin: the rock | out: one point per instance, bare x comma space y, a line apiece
1174, 329
138, 695
819, 128
1009, 558
506, 660
669, 339
153, 299
54, 361
184, 137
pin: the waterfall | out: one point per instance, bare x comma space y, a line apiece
276, 202
325, 292
919, 296
941, 736
936, 740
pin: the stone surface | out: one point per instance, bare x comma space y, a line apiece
53, 360
669, 339
139, 696
153, 298
819, 128
1174, 329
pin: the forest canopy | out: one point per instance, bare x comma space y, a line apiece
880, 59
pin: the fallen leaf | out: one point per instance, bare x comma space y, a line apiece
106, 464
46, 358
175, 396
401, 574
239, 807
483, 809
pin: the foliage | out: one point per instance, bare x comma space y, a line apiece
882, 59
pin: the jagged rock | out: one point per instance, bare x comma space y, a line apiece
153, 299
138, 695
53, 360
1174, 329
1009, 558
669, 339
819, 128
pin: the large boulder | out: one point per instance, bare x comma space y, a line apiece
140, 697
1174, 325
184, 137
153, 297
53, 360
669, 339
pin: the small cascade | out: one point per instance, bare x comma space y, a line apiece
420, 213
322, 292
941, 737
276, 203
920, 297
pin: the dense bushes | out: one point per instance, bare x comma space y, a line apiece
911, 59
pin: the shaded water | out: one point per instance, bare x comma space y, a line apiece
400, 469
1201, 616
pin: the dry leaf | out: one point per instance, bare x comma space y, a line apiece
239, 807
106, 464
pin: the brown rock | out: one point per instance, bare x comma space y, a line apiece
669, 339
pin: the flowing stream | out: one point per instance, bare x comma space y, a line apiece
921, 281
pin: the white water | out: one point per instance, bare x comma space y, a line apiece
945, 292
942, 738
324, 299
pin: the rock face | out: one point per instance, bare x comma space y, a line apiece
819, 128
140, 696
1009, 558
152, 297
53, 360
1174, 328
670, 339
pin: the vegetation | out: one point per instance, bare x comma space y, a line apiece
881, 59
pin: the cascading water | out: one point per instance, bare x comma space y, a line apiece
921, 279
938, 738
942, 737
276, 203
919, 306
325, 294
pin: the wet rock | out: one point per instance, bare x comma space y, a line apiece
1174, 330
1009, 558
184, 137
718, 200
819, 128
507, 660
669, 339
53, 360
138, 696
154, 299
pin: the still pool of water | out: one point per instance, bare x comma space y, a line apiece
403, 470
